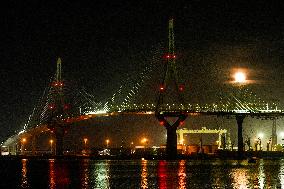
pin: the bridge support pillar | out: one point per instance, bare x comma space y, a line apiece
171, 148
33, 145
59, 135
240, 118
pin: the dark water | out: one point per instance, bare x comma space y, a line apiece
101, 174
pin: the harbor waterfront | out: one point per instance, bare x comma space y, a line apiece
103, 174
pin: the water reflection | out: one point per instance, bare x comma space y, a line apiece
182, 175
281, 174
162, 174
24, 180
261, 174
219, 175
100, 174
85, 173
144, 174
52, 183
240, 178
58, 174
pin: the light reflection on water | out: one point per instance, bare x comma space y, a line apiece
100, 175
182, 174
85, 173
281, 173
162, 174
240, 178
261, 175
144, 174
25, 181
58, 174
52, 183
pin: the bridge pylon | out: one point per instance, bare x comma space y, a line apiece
171, 92
58, 110
240, 118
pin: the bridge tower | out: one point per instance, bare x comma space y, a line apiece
171, 92
58, 110
240, 118
274, 135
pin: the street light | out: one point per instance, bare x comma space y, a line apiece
132, 147
260, 136
85, 146
23, 141
107, 142
144, 141
51, 149
85, 142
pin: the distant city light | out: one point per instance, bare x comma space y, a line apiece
260, 135
96, 112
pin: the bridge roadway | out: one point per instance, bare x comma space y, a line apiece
238, 114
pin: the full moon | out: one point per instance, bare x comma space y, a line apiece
240, 77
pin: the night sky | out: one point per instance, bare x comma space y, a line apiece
100, 42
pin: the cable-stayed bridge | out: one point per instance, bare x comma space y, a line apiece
157, 90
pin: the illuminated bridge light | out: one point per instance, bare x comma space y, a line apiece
181, 88
51, 106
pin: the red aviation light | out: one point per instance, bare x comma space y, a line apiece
181, 123
181, 88
66, 107
162, 88
51, 106
167, 56
57, 84
162, 123
170, 56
